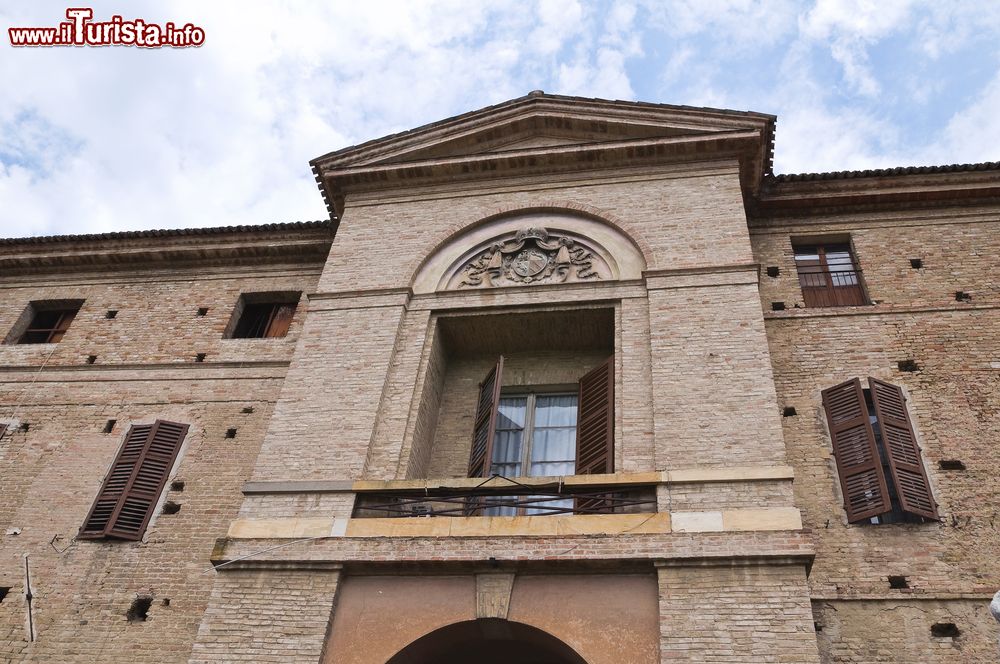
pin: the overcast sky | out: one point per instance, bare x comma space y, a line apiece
121, 138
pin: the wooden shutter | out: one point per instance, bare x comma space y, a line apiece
133, 485
595, 421
481, 456
281, 319
901, 449
858, 464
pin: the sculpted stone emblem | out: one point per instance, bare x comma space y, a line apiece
530, 256
529, 262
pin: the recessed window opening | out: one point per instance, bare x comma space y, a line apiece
109, 426
263, 315
48, 320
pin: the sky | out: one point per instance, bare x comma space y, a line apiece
122, 138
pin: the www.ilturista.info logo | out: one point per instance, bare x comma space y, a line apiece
80, 30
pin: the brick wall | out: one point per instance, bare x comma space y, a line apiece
50, 474
953, 400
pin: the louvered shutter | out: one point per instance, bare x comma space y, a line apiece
858, 464
281, 319
481, 456
595, 421
901, 448
133, 485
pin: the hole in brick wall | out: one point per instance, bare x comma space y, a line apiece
109, 426
773, 271
91, 359
166, 601
170, 507
945, 630
916, 263
3, 593
24, 426
951, 464
962, 296
200, 357
248, 409
202, 311
230, 433
177, 485
817, 627
139, 611
788, 411
898, 582
777, 306
908, 365
111, 313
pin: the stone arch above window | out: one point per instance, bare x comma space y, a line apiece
528, 249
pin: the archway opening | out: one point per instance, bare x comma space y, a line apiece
487, 641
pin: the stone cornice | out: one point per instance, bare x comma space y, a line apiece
919, 188
574, 158
221, 246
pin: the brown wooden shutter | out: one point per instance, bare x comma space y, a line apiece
901, 448
133, 485
281, 319
481, 456
595, 421
858, 464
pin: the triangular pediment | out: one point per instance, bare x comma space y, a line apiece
542, 134
540, 121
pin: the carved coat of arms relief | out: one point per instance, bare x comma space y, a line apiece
532, 255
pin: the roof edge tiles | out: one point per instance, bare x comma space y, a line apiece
884, 172
172, 232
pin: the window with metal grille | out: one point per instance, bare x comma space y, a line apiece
45, 321
881, 470
829, 275
262, 315
133, 485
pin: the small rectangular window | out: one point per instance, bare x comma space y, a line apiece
45, 321
263, 315
829, 275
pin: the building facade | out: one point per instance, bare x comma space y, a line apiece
562, 380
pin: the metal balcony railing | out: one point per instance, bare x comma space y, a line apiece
509, 500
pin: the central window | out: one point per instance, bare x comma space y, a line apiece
535, 435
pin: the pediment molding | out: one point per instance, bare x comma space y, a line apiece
546, 132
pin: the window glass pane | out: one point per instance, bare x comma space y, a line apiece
549, 506
841, 268
509, 437
555, 411
553, 442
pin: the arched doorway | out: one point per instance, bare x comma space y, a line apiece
487, 641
